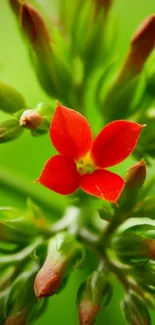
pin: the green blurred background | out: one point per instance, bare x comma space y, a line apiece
25, 157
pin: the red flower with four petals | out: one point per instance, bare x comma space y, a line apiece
81, 161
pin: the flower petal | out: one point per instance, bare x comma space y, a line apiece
60, 175
103, 184
115, 143
70, 132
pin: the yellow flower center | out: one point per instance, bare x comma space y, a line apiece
85, 165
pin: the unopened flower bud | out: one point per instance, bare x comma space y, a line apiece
11, 100
130, 247
63, 253
134, 180
46, 110
35, 28
9, 130
122, 91
19, 319
135, 310
31, 119
136, 175
21, 298
92, 293
142, 45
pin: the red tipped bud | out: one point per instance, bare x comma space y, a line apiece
34, 26
88, 312
142, 45
31, 119
135, 309
19, 319
134, 180
63, 253
92, 293
48, 279
136, 175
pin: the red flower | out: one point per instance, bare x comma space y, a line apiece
81, 161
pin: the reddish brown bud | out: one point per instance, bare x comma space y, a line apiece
19, 319
142, 45
63, 252
31, 119
88, 312
34, 26
92, 294
136, 175
48, 279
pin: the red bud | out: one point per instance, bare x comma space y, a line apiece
34, 26
142, 45
18, 319
31, 119
48, 279
63, 253
136, 175
88, 312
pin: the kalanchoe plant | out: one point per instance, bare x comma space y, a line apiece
110, 215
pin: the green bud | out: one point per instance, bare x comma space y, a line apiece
93, 293
145, 276
135, 310
11, 100
130, 247
21, 299
45, 110
137, 243
134, 180
63, 253
106, 212
9, 130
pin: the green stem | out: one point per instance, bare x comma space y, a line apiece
24, 188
